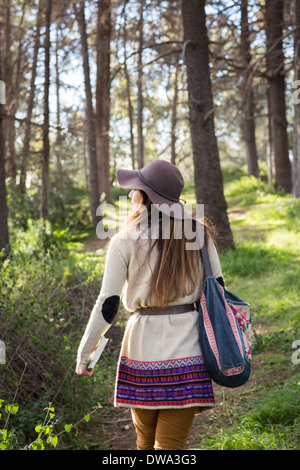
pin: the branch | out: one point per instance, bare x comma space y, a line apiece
173, 51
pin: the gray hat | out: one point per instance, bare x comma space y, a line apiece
163, 184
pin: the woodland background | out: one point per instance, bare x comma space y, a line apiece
88, 87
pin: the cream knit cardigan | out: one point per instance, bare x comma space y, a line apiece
127, 276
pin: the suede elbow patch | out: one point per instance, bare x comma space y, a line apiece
110, 308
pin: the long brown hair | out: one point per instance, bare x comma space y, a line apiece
176, 273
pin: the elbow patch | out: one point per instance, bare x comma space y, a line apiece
110, 308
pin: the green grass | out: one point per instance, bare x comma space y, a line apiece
264, 269
269, 422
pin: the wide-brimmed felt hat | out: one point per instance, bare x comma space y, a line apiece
162, 182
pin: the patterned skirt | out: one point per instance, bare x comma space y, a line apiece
177, 383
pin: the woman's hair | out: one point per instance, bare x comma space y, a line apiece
176, 273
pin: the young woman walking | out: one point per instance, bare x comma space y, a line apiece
161, 375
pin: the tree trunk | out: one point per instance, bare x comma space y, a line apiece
296, 142
27, 131
59, 139
248, 123
9, 125
140, 103
4, 235
270, 149
90, 117
276, 93
103, 97
128, 91
174, 116
44, 211
207, 170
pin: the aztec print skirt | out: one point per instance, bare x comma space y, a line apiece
177, 383
161, 364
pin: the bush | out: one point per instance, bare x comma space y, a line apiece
46, 295
46, 433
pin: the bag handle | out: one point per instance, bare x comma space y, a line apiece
204, 253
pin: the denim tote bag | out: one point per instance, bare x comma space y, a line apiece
225, 331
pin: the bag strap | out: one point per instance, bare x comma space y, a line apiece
204, 253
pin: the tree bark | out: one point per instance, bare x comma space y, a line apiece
9, 127
103, 96
59, 139
296, 141
276, 94
174, 116
207, 169
27, 131
90, 116
44, 210
248, 122
270, 149
140, 101
128, 90
4, 234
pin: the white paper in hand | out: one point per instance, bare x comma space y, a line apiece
97, 353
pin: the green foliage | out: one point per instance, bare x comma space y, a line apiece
46, 430
47, 292
272, 424
69, 207
42, 239
279, 340
281, 408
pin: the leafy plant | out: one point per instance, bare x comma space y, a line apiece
46, 430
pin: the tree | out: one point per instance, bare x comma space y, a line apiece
276, 95
207, 170
140, 99
90, 116
4, 235
128, 89
296, 140
174, 116
248, 123
30, 105
44, 210
103, 96
8, 72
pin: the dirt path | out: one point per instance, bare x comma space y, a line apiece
122, 435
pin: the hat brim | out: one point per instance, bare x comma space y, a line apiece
129, 179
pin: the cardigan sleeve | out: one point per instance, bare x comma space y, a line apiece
108, 301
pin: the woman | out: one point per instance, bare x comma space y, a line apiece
161, 374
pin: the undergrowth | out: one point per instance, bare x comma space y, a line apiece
47, 291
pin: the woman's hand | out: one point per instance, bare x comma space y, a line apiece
81, 369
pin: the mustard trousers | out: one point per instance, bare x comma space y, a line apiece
163, 429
